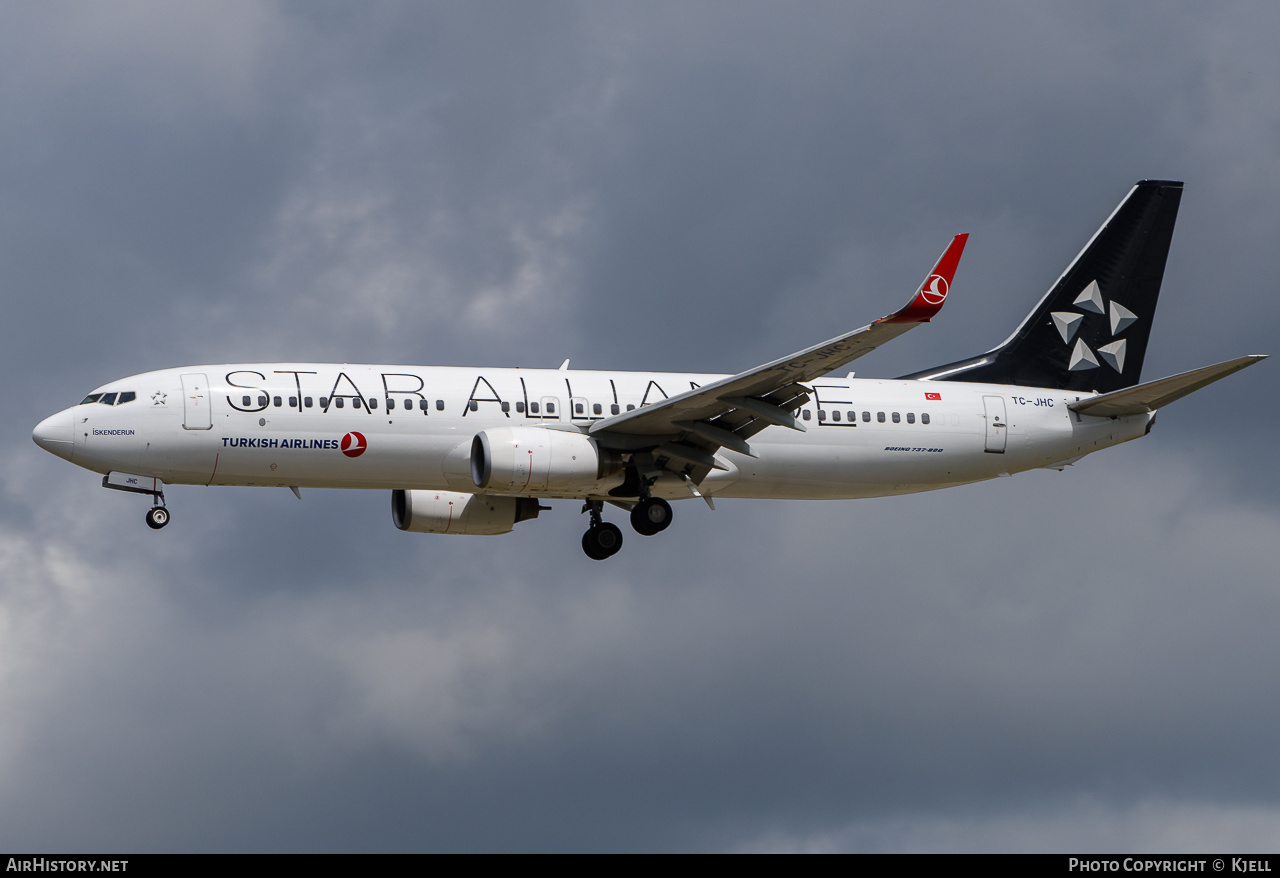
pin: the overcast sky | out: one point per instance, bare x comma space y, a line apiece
1054, 662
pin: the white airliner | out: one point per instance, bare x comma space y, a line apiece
473, 451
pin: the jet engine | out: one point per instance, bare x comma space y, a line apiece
534, 460
447, 512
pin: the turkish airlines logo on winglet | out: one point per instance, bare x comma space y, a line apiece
934, 291
354, 444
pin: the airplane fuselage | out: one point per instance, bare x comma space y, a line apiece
406, 427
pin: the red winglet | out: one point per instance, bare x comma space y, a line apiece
932, 293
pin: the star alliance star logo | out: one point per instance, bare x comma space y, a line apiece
1068, 324
158, 398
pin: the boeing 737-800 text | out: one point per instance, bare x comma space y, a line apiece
474, 450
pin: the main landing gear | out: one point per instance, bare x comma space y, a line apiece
650, 516
602, 539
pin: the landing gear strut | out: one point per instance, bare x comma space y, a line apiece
650, 516
602, 539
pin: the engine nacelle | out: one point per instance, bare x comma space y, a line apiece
534, 460
447, 512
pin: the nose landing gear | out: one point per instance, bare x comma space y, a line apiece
157, 515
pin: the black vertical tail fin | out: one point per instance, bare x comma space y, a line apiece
1090, 331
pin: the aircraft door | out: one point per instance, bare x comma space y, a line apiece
997, 426
196, 411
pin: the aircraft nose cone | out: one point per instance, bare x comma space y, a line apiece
55, 434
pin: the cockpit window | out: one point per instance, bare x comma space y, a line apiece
120, 397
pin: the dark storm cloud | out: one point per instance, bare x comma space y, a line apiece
788, 141
142, 161
1057, 660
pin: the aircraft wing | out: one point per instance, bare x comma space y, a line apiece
1148, 397
727, 412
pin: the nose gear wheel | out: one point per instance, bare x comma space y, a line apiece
157, 517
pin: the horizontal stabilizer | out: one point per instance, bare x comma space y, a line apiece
1155, 394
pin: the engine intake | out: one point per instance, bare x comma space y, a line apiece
448, 512
534, 460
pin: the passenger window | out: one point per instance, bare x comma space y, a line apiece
247, 402
822, 414
897, 418
93, 397
577, 407
866, 417
373, 403
307, 402
473, 405
853, 417
127, 396
805, 414
339, 401
596, 408
631, 408
108, 399
293, 402
551, 408
533, 407
613, 409
520, 408
880, 417
262, 401
835, 416
924, 417
911, 417
439, 405
278, 402
506, 406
